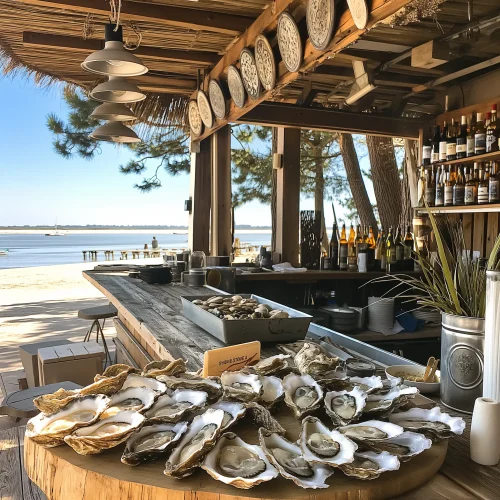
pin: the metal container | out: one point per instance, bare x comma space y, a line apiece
238, 331
462, 366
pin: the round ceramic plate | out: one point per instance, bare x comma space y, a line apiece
359, 12
249, 73
217, 99
264, 60
205, 109
195, 123
236, 87
320, 18
289, 42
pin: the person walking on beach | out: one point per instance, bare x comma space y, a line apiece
154, 243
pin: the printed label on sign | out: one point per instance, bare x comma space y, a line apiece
230, 358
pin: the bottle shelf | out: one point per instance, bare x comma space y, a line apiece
470, 160
494, 207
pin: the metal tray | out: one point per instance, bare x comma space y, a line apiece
238, 331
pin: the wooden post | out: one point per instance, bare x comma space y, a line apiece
221, 240
288, 195
199, 218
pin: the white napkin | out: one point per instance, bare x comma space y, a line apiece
286, 267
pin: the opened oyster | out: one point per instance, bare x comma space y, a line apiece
134, 380
272, 365
313, 360
173, 407
132, 398
50, 430
152, 441
345, 407
199, 439
396, 397
369, 465
164, 367
404, 446
321, 445
242, 386
237, 463
261, 417
211, 385
273, 391
367, 384
105, 434
233, 411
433, 423
302, 394
288, 459
372, 430
388, 384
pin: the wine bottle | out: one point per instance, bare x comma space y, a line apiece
430, 188
400, 251
408, 249
492, 132
471, 133
436, 138
462, 139
352, 260
334, 249
391, 263
459, 189
343, 252
439, 202
443, 143
482, 188
480, 136
451, 142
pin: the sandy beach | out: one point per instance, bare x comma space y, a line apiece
123, 231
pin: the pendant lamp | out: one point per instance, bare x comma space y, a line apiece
117, 90
113, 111
115, 132
114, 59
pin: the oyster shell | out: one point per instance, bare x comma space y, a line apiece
199, 439
313, 360
369, 465
302, 394
272, 365
391, 400
132, 398
152, 441
50, 430
345, 407
404, 446
211, 385
388, 385
237, 463
261, 417
321, 445
173, 407
273, 391
134, 380
433, 423
242, 386
291, 349
288, 459
164, 367
106, 433
367, 384
371, 430
232, 412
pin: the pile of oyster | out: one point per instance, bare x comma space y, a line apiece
236, 307
353, 425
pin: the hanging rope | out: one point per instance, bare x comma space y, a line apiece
116, 9
137, 32
88, 26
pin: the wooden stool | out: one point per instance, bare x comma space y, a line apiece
95, 314
124, 255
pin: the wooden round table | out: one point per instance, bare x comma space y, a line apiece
63, 474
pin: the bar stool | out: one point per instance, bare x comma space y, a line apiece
95, 314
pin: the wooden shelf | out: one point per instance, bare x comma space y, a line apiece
470, 159
466, 209
312, 275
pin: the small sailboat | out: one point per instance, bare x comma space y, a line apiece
4, 251
56, 232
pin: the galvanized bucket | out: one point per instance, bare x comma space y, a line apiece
462, 365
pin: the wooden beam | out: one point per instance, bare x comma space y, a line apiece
199, 218
220, 233
285, 115
307, 95
76, 44
345, 36
199, 20
288, 195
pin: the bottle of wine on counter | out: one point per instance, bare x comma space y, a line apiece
462, 139
469, 190
359, 236
383, 251
459, 189
451, 142
436, 138
494, 184
371, 249
480, 136
492, 132
430, 188
482, 188
334, 249
391, 264
400, 251
475, 180
343, 251
471, 133
439, 202
448, 189
408, 249
352, 259
443, 141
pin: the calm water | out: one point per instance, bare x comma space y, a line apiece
28, 250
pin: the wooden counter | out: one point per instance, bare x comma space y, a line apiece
312, 276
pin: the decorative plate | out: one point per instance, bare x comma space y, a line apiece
236, 87
217, 99
266, 65
249, 73
205, 109
289, 42
320, 17
195, 123
359, 13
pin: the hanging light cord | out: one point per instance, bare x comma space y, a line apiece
138, 34
88, 26
116, 9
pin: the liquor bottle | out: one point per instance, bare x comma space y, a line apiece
448, 190
436, 138
343, 252
459, 189
400, 251
334, 249
430, 188
492, 132
443, 143
391, 263
421, 183
480, 136
427, 153
371, 249
475, 179
324, 261
359, 237
469, 194
439, 202
471, 132
482, 189
383, 251
451, 142
352, 263
408, 250
378, 251
494, 184
462, 139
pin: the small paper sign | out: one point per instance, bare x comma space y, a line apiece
230, 358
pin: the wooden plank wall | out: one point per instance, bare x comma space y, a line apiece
481, 231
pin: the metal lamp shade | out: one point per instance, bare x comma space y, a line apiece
113, 112
114, 60
117, 90
115, 132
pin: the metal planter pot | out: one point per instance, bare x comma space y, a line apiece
462, 365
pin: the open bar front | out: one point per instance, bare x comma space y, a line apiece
352, 354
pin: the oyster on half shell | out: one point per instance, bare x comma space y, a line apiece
371, 430
173, 407
134, 380
288, 459
369, 465
50, 430
132, 398
302, 394
152, 441
273, 391
404, 446
345, 407
164, 367
233, 411
272, 365
396, 397
242, 386
194, 382
199, 439
106, 433
237, 463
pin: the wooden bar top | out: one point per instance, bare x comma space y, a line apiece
311, 276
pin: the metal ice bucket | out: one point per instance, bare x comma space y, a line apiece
462, 347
